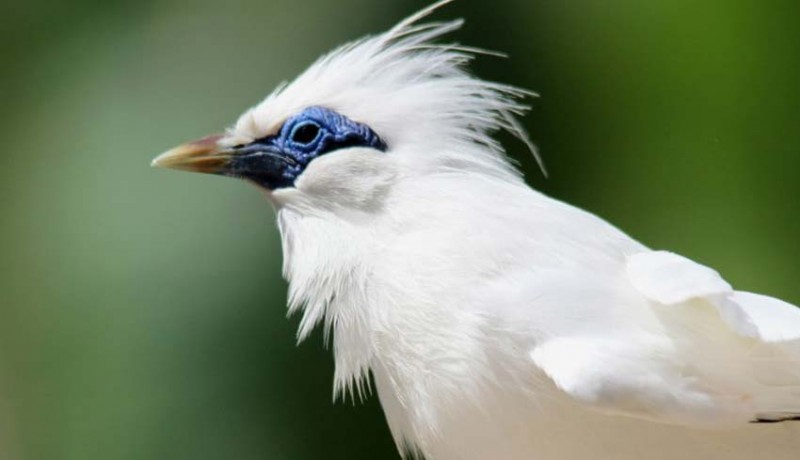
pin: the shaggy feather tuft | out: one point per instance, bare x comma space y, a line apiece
409, 90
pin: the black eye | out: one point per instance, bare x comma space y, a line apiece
305, 133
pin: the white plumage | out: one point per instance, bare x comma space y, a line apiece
498, 323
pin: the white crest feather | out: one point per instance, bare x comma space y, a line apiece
409, 90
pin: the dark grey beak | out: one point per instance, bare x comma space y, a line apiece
261, 162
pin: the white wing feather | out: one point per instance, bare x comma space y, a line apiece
671, 279
775, 320
630, 378
672, 374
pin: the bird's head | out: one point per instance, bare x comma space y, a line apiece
357, 151
363, 117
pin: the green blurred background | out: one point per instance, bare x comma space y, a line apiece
142, 312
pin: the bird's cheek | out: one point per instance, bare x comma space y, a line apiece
355, 177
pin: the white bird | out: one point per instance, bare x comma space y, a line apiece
495, 322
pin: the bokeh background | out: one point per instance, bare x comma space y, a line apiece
142, 313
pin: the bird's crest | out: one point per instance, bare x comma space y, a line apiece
408, 89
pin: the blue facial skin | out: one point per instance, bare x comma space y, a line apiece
277, 161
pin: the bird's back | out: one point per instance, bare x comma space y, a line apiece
511, 271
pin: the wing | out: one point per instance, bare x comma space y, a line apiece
694, 363
633, 379
670, 279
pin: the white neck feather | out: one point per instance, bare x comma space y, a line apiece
326, 264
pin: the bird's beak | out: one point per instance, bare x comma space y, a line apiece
203, 155
261, 162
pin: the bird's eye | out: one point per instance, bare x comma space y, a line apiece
305, 133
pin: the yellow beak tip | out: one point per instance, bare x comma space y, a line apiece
157, 162
203, 155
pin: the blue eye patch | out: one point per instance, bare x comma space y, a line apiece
277, 161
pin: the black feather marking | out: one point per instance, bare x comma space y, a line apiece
786, 418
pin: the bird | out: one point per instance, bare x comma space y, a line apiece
493, 321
